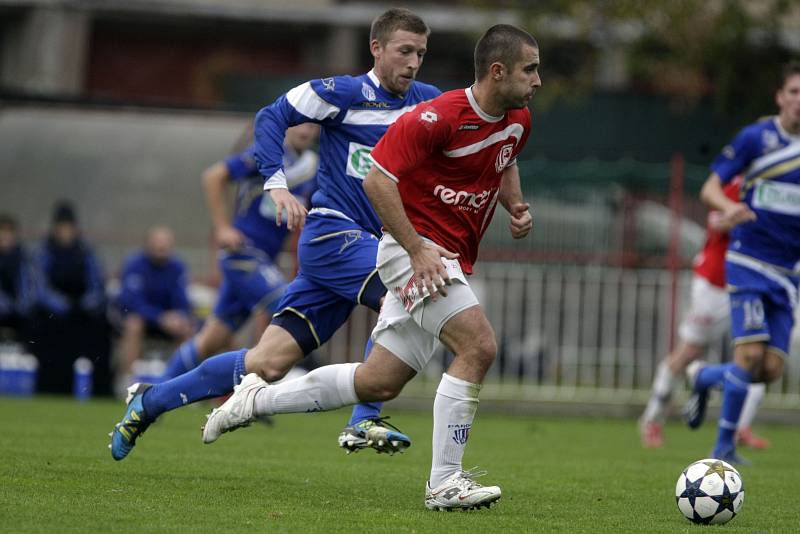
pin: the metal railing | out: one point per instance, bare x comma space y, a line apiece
570, 333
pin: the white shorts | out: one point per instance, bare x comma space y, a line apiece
709, 313
409, 323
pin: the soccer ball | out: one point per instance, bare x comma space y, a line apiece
710, 492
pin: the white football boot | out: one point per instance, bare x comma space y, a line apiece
461, 492
235, 412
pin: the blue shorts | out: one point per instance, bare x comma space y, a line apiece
337, 271
250, 282
762, 305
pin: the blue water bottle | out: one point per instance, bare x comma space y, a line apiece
6, 369
28, 370
82, 378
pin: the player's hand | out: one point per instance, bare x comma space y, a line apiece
521, 220
295, 211
429, 271
175, 323
229, 238
736, 214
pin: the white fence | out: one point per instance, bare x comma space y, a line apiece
581, 333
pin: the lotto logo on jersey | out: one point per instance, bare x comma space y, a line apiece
503, 157
428, 116
462, 199
358, 160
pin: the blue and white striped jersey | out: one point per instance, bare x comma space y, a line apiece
254, 211
769, 158
354, 112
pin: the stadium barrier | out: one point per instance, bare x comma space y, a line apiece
576, 334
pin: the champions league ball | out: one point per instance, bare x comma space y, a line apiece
709, 492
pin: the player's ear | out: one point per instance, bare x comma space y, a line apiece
375, 48
497, 71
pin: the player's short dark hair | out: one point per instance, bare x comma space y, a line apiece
8, 222
501, 43
394, 19
64, 212
790, 69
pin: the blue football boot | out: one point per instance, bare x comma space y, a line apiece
133, 423
375, 433
731, 456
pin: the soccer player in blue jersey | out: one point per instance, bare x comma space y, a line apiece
339, 243
762, 265
249, 244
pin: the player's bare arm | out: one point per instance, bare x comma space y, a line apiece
425, 258
510, 197
733, 213
718, 222
215, 181
295, 211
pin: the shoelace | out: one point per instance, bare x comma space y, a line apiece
382, 422
467, 478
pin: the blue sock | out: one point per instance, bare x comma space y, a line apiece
365, 410
734, 392
711, 376
184, 359
214, 377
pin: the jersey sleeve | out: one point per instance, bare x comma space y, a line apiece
302, 171
242, 165
736, 156
409, 141
320, 101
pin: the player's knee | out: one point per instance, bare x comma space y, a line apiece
372, 386
750, 356
680, 359
484, 350
270, 366
772, 368
268, 370
381, 391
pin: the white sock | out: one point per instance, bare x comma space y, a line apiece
755, 394
663, 385
453, 411
324, 388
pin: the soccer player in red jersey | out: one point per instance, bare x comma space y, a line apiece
439, 173
708, 318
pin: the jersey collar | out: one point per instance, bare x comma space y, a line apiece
373, 78
377, 83
482, 114
784, 133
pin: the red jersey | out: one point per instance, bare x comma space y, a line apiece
710, 262
448, 157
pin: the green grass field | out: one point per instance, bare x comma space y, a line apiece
568, 475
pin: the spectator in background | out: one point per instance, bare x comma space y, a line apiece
72, 306
153, 298
17, 284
